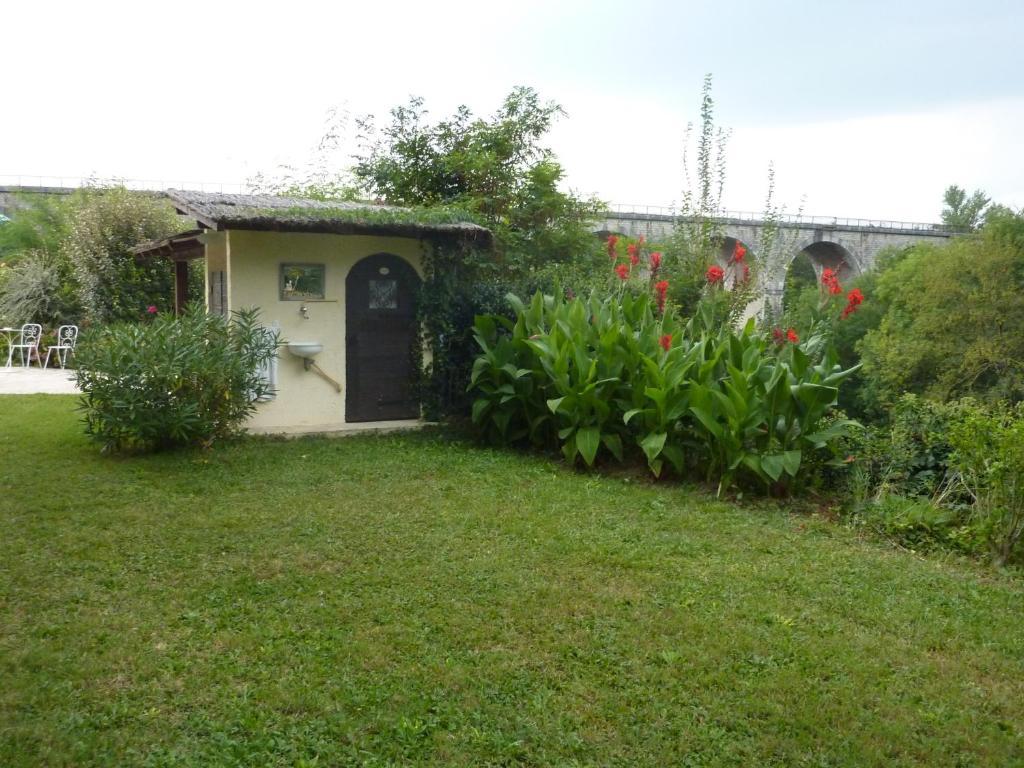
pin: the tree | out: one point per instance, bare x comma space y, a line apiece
496, 168
105, 224
954, 323
962, 211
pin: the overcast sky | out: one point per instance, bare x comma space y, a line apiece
866, 108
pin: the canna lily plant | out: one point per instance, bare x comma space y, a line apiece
622, 375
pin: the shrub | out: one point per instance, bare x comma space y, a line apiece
919, 523
989, 452
172, 381
910, 455
947, 474
104, 224
607, 376
38, 289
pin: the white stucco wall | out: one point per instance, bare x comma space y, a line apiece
304, 400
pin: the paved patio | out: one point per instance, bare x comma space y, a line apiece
36, 381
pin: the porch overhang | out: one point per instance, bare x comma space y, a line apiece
184, 246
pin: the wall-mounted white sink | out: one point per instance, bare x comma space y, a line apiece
305, 349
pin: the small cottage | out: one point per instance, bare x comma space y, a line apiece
337, 280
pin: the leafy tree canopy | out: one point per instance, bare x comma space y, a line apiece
496, 168
954, 323
963, 211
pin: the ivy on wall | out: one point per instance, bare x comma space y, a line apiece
458, 284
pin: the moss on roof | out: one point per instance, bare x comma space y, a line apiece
273, 213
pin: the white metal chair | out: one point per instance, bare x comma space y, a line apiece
67, 335
28, 342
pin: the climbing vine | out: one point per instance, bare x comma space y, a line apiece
458, 284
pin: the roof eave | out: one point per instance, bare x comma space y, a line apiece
467, 232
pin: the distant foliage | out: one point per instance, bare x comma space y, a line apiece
172, 381
954, 320
104, 225
962, 211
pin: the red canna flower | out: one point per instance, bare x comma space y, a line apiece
622, 270
151, 309
633, 250
666, 342
831, 281
853, 300
738, 252
642, 240
791, 336
613, 242
714, 274
655, 261
661, 290
778, 336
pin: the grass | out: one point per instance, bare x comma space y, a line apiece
413, 600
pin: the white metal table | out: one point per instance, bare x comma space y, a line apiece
9, 333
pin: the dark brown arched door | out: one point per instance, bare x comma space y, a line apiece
380, 317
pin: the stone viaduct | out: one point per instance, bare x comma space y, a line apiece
850, 246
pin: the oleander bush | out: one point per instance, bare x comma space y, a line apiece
168, 382
602, 377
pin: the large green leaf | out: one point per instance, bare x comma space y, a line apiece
630, 414
824, 436
480, 407
588, 440
675, 456
569, 449
652, 445
613, 443
772, 465
707, 420
813, 395
791, 462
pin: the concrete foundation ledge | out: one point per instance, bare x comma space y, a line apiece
343, 429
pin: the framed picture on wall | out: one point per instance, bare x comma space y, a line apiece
302, 282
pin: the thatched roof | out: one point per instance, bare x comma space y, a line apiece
298, 214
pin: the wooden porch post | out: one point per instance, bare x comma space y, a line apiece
180, 286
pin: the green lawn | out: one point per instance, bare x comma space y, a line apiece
412, 600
